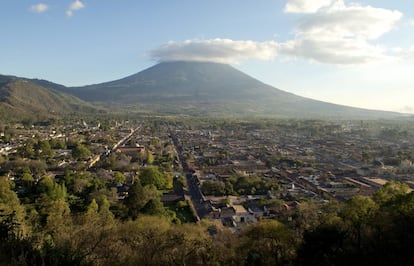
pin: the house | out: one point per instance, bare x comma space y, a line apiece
375, 182
5, 149
232, 215
241, 215
130, 150
255, 211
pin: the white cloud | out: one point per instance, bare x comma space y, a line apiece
76, 5
408, 54
215, 50
341, 34
335, 33
39, 8
350, 22
306, 6
334, 51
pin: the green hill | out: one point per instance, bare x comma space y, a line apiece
22, 98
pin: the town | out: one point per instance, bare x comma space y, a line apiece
207, 191
232, 171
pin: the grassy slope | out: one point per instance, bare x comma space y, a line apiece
20, 98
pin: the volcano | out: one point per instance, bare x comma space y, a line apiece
210, 89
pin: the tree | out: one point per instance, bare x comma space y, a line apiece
58, 220
189, 244
150, 157
51, 189
152, 176
56, 144
323, 245
104, 211
119, 178
37, 168
80, 152
92, 208
357, 214
306, 216
395, 231
390, 191
27, 179
43, 149
148, 234
135, 200
268, 243
27, 149
15, 248
12, 212
153, 207
216, 188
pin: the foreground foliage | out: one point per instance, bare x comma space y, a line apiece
361, 231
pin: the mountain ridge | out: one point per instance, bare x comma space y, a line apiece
183, 87
22, 98
193, 88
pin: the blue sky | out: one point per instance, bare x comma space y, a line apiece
357, 53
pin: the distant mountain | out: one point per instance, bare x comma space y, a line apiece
188, 88
23, 98
210, 88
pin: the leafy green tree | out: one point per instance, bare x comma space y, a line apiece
188, 244
81, 152
16, 249
10, 208
216, 188
119, 178
58, 192
27, 149
306, 216
357, 214
135, 200
57, 144
43, 149
228, 188
154, 207
111, 162
104, 210
92, 208
268, 243
152, 176
51, 189
27, 179
37, 168
150, 157
58, 220
394, 231
390, 191
148, 234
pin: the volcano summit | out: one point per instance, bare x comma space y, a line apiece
209, 88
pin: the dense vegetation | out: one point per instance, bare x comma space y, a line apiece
54, 229
24, 99
238, 185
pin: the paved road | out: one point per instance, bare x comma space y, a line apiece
200, 205
107, 153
